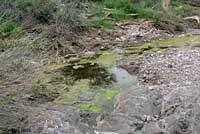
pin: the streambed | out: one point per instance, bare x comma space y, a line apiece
93, 81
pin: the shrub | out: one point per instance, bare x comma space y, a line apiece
65, 14
43, 10
68, 17
40, 10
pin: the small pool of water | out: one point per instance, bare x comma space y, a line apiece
99, 76
95, 73
92, 86
123, 80
92, 83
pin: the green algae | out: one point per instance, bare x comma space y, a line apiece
177, 41
110, 94
73, 92
102, 101
108, 59
101, 97
162, 45
89, 106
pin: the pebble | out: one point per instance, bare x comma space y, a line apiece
89, 53
118, 51
73, 60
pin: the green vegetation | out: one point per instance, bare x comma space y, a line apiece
41, 10
102, 23
16, 16
36, 90
124, 9
89, 107
66, 15
148, 9
10, 28
119, 15
162, 45
10, 45
57, 78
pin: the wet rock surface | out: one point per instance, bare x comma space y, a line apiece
58, 119
48, 119
167, 105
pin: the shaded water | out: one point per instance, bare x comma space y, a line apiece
97, 74
114, 77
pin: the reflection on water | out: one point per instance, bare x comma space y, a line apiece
97, 74
123, 80
116, 78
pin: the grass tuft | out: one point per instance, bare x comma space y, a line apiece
103, 23
10, 28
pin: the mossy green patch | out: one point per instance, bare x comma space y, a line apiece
176, 41
88, 106
110, 94
102, 101
73, 92
108, 59
162, 45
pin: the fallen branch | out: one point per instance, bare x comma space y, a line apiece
65, 48
132, 14
197, 18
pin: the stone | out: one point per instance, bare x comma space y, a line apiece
73, 60
89, 53
118, 51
